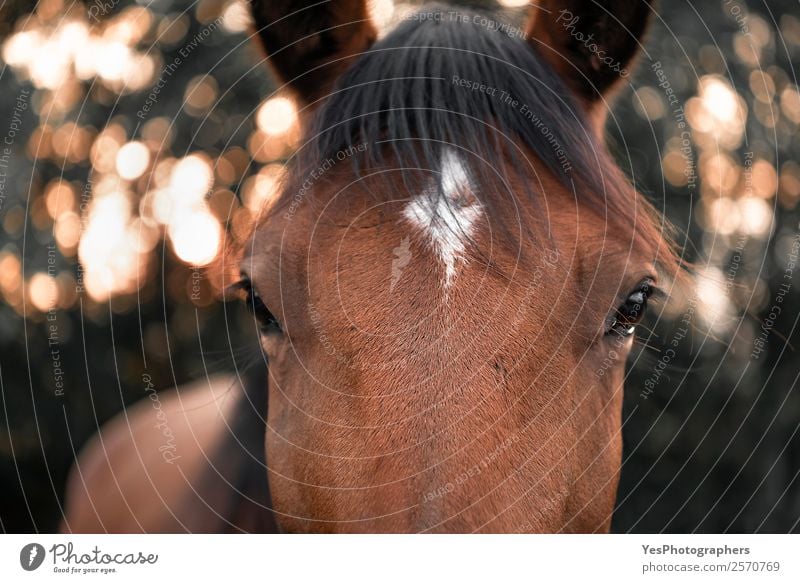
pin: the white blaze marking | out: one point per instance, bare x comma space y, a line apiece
447, 220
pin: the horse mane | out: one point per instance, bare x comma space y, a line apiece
403, 101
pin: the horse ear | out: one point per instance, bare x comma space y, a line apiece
591, 43
311, 42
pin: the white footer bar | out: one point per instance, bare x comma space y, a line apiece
388, 558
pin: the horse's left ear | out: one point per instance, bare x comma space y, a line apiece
591, 43
311, 42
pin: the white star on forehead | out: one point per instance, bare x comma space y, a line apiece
447, 220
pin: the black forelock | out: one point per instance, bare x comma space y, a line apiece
407, 89
404, 99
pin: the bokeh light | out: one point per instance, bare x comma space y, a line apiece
276, 116
132, 160
196, 237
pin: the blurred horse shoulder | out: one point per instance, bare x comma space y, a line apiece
186, 460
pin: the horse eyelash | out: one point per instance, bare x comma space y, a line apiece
262, 313
243, 285
244, 290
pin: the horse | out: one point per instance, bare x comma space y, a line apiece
446, 288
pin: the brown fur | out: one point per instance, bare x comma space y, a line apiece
499, 378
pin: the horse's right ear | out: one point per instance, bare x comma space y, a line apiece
590, 43
309, 43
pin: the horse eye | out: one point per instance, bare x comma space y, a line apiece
267, 323
631, 312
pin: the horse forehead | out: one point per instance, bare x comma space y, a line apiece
446, 214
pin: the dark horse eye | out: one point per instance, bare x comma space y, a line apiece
267, 323
631, 312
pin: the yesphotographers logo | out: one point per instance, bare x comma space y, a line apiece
31, 556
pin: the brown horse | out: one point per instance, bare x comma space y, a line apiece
447, 290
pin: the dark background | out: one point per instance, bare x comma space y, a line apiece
710, 433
